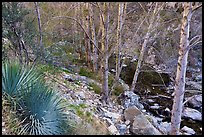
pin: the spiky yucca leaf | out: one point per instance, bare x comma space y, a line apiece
16, 78
42, 112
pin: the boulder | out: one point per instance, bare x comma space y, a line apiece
192, 113
131, 112
154, 120
141, 126
113, 130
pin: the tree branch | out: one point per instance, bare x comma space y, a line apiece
80, 26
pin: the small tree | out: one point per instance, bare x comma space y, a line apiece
182, 65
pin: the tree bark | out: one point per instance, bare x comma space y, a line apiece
181, 70
121, 8
105, 93
86, 38
144, 46
41, 48
93, 34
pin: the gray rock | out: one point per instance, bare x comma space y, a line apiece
81, 95
188, 130
131, 112
154, 107
108, 121
154, 120
165, 127
114, 116
131, 99
199, 77
125, 86
196, 101
150, 100
122, 129
113, 130
127, 122
141, 126
194, 84
192, 113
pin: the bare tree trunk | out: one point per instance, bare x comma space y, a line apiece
102, 29
86, 39
144, 46
41, 48
74, 29
181, 70
121, 9
105, 93
80, 33
93, 34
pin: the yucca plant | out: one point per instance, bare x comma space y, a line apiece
16, 78
41, 111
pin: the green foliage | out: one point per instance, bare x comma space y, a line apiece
13, 12
38, 109
16, 78
43, 110
86, 72
49, 68
96, 88
118, 89
110, 80
79, 110
66, 70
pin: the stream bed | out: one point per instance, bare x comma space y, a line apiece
157, 99
158, 102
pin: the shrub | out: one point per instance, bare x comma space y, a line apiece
96, 88
85, 72
41, 111
110, 80
48, 68
16, 78
118, 89
90, 74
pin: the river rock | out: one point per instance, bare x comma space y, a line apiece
154, 120
198, 77
131, 112
150, 100
165, 127
196, 101
141, 126
194, 84
192, 113
81, 95
131, 99
113, 130
122, 129
156, 106
114, 116
188, 130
